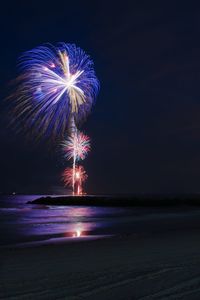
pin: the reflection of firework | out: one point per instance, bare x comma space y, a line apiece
56, 82
77, 145
78, 179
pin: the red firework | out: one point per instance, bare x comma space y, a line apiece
80, 177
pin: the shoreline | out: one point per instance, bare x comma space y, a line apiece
155, 256
163, 266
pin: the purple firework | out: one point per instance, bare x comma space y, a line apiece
56, 83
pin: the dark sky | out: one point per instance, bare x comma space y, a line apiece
145, 127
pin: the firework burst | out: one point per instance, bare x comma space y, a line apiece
56, 83
80, 178
77, 145
55, 92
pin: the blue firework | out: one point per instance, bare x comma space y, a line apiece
56, 83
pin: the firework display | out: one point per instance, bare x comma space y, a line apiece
55, 92
77, 145
80, 178
57, 85
76, 148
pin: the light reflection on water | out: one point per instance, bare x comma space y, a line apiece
25, 223
21, 222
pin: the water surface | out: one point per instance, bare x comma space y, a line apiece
24, 223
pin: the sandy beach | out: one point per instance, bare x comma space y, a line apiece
161, 262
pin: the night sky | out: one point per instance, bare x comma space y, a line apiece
145, 126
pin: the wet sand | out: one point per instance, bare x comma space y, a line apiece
152, 264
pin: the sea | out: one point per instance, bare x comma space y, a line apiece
28, 224
23, 224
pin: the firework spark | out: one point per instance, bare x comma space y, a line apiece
77, 145
80, 178
56, 82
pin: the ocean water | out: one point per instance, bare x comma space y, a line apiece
22, 223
